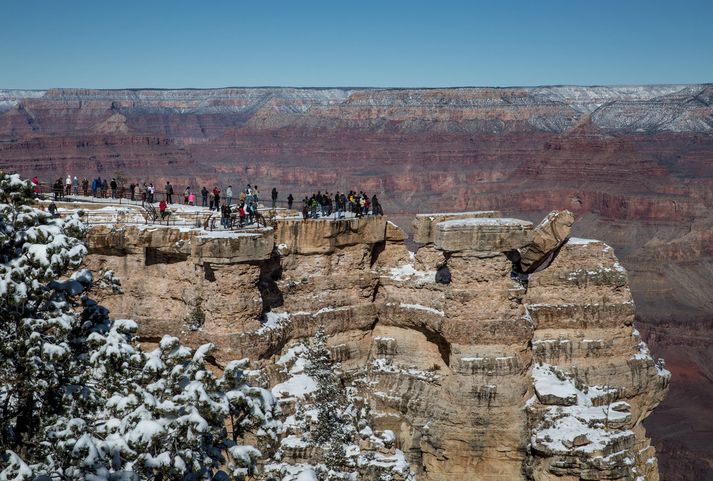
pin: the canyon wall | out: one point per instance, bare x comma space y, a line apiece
479, 373
635, 164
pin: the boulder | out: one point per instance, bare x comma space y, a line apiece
546, 238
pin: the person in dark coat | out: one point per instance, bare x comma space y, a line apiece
57, 187
225, 215
376, 206
169, 193
204, 196
305, 208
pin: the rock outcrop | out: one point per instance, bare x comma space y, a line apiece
479, 375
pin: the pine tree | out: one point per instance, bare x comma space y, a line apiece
78, 400
37, 323
331, 431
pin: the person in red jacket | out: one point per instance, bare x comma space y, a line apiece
241, 213
162, 209
216, 195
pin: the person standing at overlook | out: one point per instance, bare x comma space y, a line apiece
241, 214
338, 206
216, 198
57, 188
169, 193
290, 200
162, 208
274, 197
36, 186
204, 197
376, 206
229, 194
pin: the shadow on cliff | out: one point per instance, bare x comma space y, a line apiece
270, 273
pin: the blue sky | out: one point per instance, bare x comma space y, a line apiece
102, 44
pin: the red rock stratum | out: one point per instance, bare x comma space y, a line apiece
634, 164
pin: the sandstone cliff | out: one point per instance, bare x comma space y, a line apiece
480, 373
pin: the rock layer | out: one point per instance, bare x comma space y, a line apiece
462, 371
633, 163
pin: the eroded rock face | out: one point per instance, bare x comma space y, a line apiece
483, 377
548, 236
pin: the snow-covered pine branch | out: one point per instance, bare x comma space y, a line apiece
78, 401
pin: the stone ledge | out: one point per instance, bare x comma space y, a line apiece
323, 236
482, 234
423, 225
233, 248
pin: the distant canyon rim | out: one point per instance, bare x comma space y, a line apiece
635, 165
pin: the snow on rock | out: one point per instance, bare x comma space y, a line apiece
294, 472
575, 419
478, 222
580, 241
395, 463
84, 277
273, 321
551, 388
294, 359
293, 441
644, 355
387, 366
419, 307
297, 386
409, 272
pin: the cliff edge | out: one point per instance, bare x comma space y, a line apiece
481, 370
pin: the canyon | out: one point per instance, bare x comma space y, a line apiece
634, 164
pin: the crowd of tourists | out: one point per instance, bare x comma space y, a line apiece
338, 204
242, 207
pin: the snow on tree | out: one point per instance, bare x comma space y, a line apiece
331, 431
36, 321
328, 436
78, 400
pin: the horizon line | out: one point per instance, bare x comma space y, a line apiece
364, 87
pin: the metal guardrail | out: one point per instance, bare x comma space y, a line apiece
149, 214
123, 195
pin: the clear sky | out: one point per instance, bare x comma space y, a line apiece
128, 43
